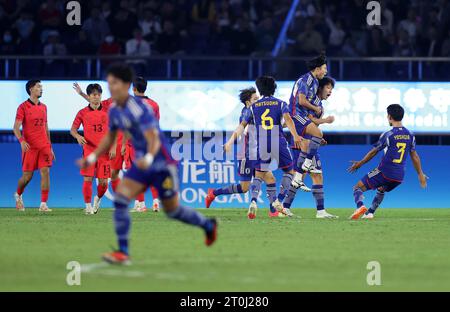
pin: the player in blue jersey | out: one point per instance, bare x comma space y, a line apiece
268, 115
326, 85
304, 100
397, 143
153, 164
247, 157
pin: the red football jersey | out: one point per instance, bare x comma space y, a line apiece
95, 124
107, 104
153, 105
34, 123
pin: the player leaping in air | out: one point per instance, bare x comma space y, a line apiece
247, 157
37, 151
268, 114
94, 119
153, 164
326, 85
397, 143
304, 100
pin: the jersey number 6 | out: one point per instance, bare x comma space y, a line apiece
267, 121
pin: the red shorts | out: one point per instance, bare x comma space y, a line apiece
35, 159
101, 169
117, 163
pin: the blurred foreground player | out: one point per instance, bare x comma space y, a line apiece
94, 119
153, 164
37, 152
397, 143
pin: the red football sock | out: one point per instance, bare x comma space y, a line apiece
114, 184
140, 197
44, 196
19, 191
154, 192
87, 191
101, 190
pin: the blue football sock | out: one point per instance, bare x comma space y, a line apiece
317, 191
122, 221
255, 188
290, 196
229, 189
191, 216
271, 195
285, 184
314, 145
358, 195
376, 201
300, 161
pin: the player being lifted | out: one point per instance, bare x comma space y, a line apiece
153, 164
94, 119
268, 114
397, 143
37, 152
304, 100
326, 85
247, 156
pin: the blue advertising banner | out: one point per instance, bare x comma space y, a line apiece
197, 176
214, 105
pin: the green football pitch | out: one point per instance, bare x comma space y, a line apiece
412, 247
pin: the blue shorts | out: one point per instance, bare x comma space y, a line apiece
301, 123
375, 179
282, 156
163, 178
246, 169
316, 160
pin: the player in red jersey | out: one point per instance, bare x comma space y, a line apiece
139, 88
37, 152
94, 119
118, 152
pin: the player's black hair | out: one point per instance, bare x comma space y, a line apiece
121, 71
94, 87
317, 61
396, 112
140, 84
246, 94
266, 85
30, 84
326, 81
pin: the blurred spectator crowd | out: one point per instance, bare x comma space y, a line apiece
221, 27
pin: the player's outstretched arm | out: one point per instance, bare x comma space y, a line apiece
78, 90
238, 132
358, 164
16, 129
304, 102
418, 166
290, 124
103, 147
153, 145
320, 121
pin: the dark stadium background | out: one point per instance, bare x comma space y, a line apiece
228, 40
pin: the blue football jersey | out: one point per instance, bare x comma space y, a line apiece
397, 143
268, 118
136, 118
250, 144
306, 85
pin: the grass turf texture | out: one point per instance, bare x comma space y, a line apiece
412, 246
